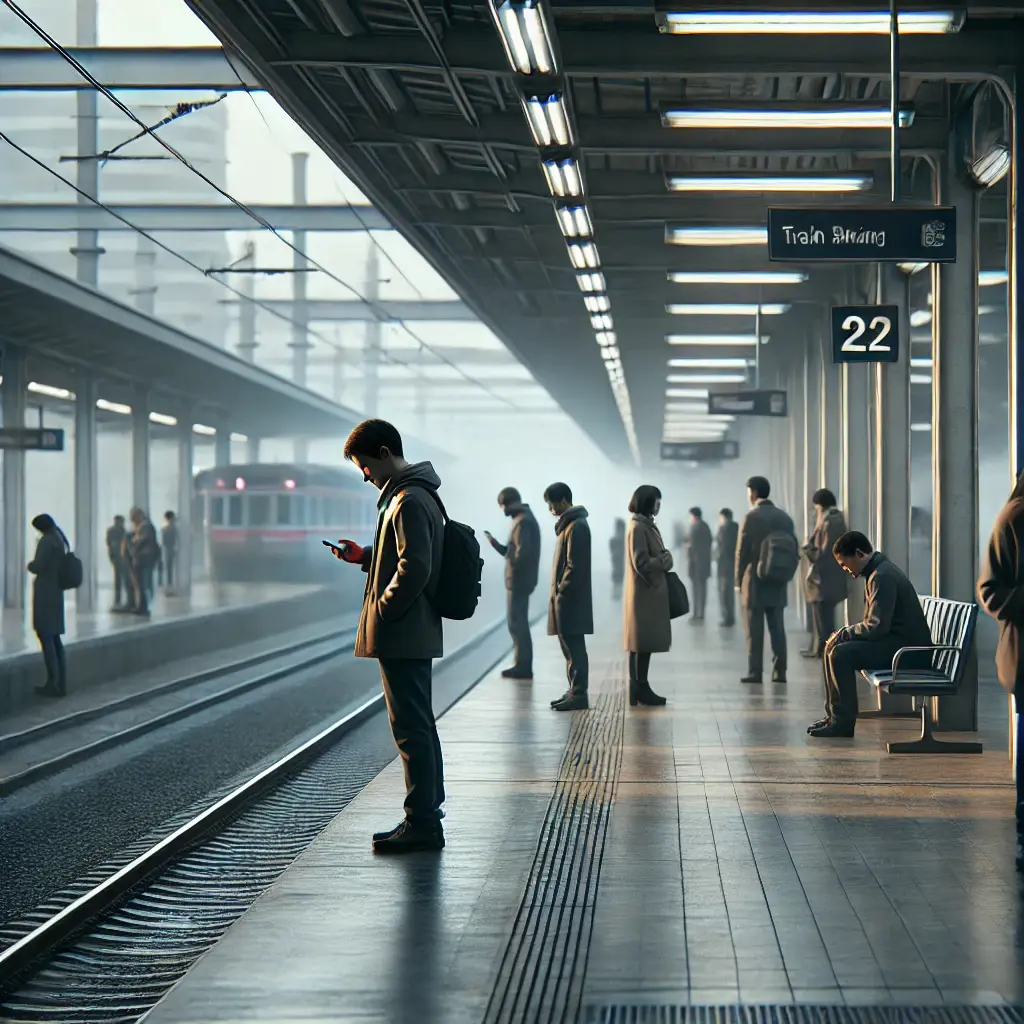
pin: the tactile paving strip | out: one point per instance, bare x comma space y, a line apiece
542, 969
633, 1013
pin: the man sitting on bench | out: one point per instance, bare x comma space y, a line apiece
893, 618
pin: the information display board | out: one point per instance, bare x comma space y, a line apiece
748, 403
699, 451
32, 439
865, 334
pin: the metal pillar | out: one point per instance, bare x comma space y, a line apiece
12, 399
140, 450
300, 309
955, 429
87, 249
86, 531
186, 464
813, 428
830, 472
222, 446
856, 466
372, 347
247, 307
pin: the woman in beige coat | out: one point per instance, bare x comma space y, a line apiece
646, 625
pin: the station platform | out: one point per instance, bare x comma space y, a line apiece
620, 863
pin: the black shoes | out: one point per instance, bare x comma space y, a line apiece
565, 696
517, 673
409, 837
816, 653
751, 679
572, 702
832, 731
49, 690
778, 677
641, 693
820, 724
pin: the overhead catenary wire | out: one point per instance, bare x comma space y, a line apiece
372, 304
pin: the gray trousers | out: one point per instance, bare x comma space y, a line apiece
518, 611
727, 600
756, 618
698, 597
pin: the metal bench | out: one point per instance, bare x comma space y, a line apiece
952, 625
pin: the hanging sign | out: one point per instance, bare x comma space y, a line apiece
699, 451
865, 334
902, 234
31, 439
748, 403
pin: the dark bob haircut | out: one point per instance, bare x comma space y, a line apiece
44, 523
644, 497
852, 542
823, 498
695, 511
725, 513
760, 486
557, 493
368, 437
509, 496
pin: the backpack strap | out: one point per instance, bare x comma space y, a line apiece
67, 543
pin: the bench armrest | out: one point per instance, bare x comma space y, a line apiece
931, 648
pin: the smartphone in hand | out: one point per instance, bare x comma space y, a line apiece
337, 550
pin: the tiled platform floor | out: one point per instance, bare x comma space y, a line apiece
743, 863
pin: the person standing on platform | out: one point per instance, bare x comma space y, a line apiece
116, 534
1001, 594
893, 618
698, 551
48, 604
399, 624
646, 623
725, 565
143, 551
571, 605
169, 543
617, 549
826, 583
522, 568
767, 557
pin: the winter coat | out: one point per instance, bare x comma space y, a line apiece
646, 626
1001, 594
398, 618
571, 605
522, 552
47, 595
826, 579
142, 548
892, 609
725, 543
698, 551
763, 519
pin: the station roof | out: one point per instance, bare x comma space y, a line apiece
416, 101
64, 326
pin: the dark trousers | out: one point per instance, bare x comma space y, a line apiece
407, 690
142, 585
756, 618
54, 659
519, 629
616, 588
727, 600
1018, 770
122, 582
170, 562
842, 662
698, 597
577, 664
639, 666
823, 617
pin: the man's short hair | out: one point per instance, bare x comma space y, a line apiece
368, 437
760, 486
557, 493
823, 498
852, 542
725, 513
509, 496
695, 511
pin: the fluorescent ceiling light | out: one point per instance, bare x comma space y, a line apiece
159, 417
202, 428
610, 354
824, 116
737, 276
687, 393
591, 282
992, 166
709, 364
548, 121
698, 417
50, 391
698, 402
525, 36
912, 268
921, 428
715, 340
848, 182
606, 339
922, 362
597, 303
123, 410
602, 322
726, 308
920, 378
987, 278
574, 221
920, 317
563, 177
711, 378
584, 255
716, 236
240, 438
808, 22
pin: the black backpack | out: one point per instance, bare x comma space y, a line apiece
458, 586
70, 574
779, 559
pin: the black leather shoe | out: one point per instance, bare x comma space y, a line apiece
49, 690
778, 677
641, 693
409, 837
820, 724
565, 696
573, 702
751, 679
832, 731
516, 673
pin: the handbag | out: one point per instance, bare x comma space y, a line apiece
678, 599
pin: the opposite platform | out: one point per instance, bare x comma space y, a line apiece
705, 853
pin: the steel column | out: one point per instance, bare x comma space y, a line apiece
186, 468
87, 249
86, 527
856, 466
140, 449
300, 309
222, 446
12, 400
831, 465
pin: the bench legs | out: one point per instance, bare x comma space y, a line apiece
928, 744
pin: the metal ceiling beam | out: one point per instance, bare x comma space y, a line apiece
341, 310
200, 217
636, 51
44, 70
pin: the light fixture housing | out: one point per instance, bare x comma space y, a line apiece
759, 277
709, 378
769, 115
723, 363
992, 166
601, 322
988, 278
597, 303
920, 317
606, 339
807, 22
574, 221
716, 340
563, 177
525, 36
850, 181
912, 268
548, 120
584, 255
726, 308
671, 393
591, 282
715, 236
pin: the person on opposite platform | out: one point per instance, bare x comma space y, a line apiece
48, 604
725, 564
698, 562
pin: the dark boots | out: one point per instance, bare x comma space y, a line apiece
640, 692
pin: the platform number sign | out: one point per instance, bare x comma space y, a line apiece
865, 334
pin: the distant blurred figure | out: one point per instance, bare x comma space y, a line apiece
725, 564
571, 605
617, 548
679, 535
48, 604
646, 623
169, 538
522, 567
143, 551
115, 552
826, 583
698, 552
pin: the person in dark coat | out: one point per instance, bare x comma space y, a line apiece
48, 604
893, 618
698, 562
1001, 594
725, 565
116, 534
522, 568
169, 544
398, 624
762, 601
617, 550
826, 585
571, 605
142, 553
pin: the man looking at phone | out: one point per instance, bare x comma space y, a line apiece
399, 625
